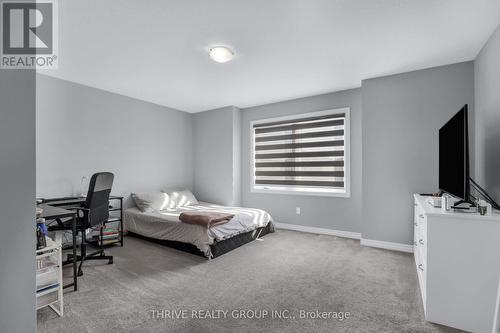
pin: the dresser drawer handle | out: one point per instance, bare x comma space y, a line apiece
421, 216
421, 241
415, 224
421, 267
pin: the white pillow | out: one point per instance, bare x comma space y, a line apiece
151, 201
180, 198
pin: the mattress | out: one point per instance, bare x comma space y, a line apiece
165, 225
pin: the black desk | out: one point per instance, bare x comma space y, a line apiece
56, 213
68, 202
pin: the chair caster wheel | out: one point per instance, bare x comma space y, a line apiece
80, 273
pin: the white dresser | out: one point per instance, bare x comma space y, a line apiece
457, 256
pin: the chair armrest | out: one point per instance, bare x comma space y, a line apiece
77, 208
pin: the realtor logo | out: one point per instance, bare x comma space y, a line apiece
29, 34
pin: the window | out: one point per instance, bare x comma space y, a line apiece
302, 154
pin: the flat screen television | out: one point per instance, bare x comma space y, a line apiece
454, 156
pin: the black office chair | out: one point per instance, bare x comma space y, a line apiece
95, 212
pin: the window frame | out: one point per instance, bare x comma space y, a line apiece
347, 155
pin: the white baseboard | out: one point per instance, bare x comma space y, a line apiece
387, 245
316, 230
347, 234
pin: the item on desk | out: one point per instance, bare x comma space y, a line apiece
41, 224
38, 211
41, 232
447, 202
435, 202
464, 207
40, 240
484, 208
444, 203
84, 184
435, 194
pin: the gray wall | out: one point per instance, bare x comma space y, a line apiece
401, 118
216, 156
236, 156
487, 98
17, 200
81, 130
324, 212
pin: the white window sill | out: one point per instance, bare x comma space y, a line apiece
299, 192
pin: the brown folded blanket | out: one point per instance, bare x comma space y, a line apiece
205, 219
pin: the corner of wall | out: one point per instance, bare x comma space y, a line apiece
216, 155
487, 113
236, 156
17, 198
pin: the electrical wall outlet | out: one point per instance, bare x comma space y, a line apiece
297, 210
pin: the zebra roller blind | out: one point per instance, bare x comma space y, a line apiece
301, 154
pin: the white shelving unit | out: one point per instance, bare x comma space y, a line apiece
49, 283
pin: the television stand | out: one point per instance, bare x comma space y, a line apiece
456, 259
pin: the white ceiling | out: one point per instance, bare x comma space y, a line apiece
156, 50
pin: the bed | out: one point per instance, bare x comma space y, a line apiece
165, 227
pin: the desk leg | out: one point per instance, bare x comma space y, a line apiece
75, 274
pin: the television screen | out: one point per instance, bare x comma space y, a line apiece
454, 156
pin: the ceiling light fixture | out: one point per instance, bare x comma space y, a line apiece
221, 54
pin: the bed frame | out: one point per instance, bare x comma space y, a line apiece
218, 248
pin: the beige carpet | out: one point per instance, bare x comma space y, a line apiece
286, 272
